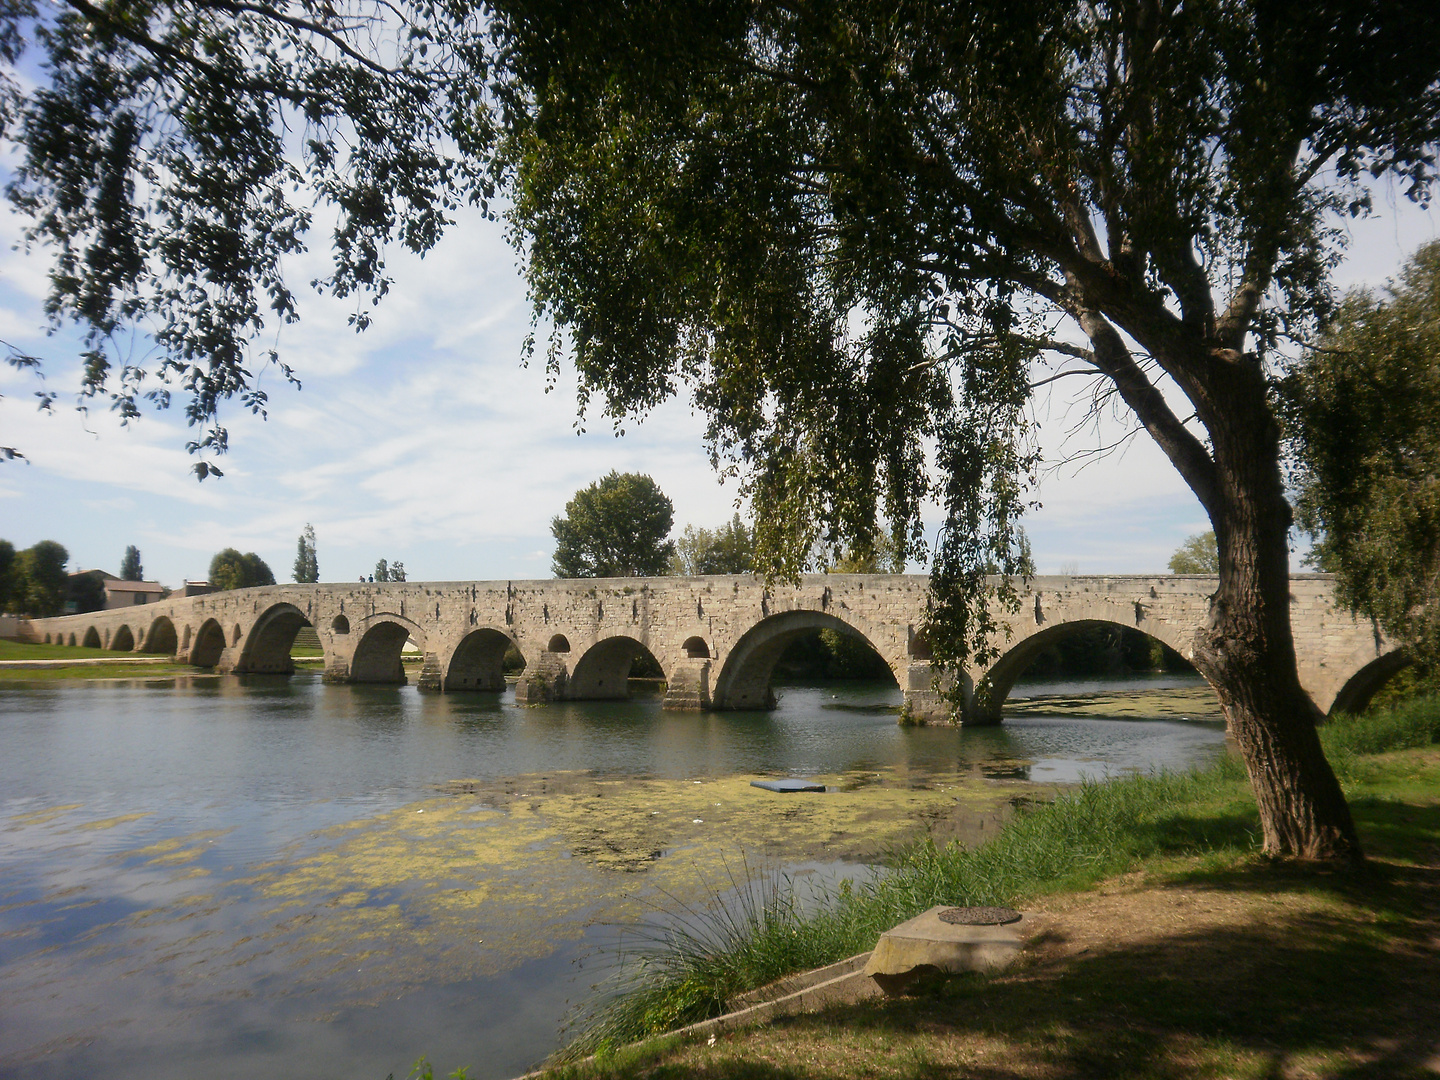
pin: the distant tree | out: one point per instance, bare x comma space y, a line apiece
1199, 554
1363, 427
307, 566
9, 586
86, 592
231, 570
730, 549
879, 556
389, 571
130, 568
43, 579
616, 527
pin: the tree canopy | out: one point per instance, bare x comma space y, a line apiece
86, 592
616, 527
9, 581
1197, 555
173, 155
1364, 424
730, 549
231, 570
861, 232
389, 571
307, 563
130, 566
40, 578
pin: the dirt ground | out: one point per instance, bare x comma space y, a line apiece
1254, 976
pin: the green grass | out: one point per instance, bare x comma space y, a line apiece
96, 671
1096, 831
1323, 976
24, 650
1409, 725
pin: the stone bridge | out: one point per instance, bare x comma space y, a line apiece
716, 638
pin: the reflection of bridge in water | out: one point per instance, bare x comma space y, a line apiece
717, 639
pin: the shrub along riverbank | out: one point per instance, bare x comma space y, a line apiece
1197, 827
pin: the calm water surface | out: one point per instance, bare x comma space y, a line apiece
234, 878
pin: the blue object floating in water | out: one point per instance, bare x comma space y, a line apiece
788, 785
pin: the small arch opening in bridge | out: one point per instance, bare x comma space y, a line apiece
919, 646
123, 641
608, 667
796, 648
481, 660
91, 639
269, 648
1086, 651
161, 637
209, 645
185, 638
558, 644
72, 641
340, 625
1384, 681
235, 635
47, 640
696, 649
378, 656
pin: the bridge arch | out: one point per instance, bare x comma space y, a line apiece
72, 641
161, 637
744, 680
995, 685
91, 640
478, 662
209, 644
1355, 695
123, 641
272, 636
377, 654
603, 672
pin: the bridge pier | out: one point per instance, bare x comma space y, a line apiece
925, 688
546, 682
688, 686
432, 676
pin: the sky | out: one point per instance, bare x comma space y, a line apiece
426, 440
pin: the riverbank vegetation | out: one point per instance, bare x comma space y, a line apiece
1192, 832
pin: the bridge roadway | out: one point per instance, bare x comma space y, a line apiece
716, 638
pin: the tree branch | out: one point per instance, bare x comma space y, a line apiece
1186, 452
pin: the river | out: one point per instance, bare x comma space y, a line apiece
264, 876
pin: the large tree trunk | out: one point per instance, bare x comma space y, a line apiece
1247, 651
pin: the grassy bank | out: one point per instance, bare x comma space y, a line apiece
1203, 823
92, 663
25, 650
69, 673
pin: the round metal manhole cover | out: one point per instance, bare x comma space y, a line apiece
979, 916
